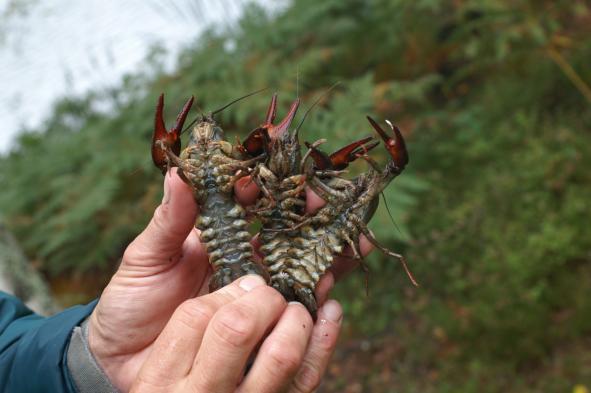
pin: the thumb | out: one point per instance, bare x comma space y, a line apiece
172, 222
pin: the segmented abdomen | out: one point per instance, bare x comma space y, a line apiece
303, 256
222, 221
295, 259
225, 236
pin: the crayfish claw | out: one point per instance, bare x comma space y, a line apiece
163, 139
256, 142
346, 155
278, 131
395, 145
270, 118
321, 159
180, 119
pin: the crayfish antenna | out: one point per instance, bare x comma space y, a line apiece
164, 140
295, 131
237, 100
395, 145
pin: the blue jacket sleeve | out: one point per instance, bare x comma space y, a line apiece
33, 348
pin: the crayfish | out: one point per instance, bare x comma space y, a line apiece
211, 166
352, 203
297, 247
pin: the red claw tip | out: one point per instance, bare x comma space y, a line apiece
255, 142
395, 145
270, 118
180, 120
343, 157
321, 160
278, 131
167, 138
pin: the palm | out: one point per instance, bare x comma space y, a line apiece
159, 287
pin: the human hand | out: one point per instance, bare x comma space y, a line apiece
208, 340
161, 269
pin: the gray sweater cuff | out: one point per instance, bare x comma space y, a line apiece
86, 373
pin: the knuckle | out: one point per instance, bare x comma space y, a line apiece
235, 325
194, 312
284, 357
308, 379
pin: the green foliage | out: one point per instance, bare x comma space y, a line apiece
491, 212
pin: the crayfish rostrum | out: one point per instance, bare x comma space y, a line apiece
297, 247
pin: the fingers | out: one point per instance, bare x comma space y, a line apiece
324, 287
320, 349
175, 349
313, 201
230, 338
281, 354
246, 191
171, 224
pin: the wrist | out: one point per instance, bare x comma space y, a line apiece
87, 375
104, 351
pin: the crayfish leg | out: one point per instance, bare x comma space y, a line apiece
363, 228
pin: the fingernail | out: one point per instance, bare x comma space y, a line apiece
166, 196
332, 311
250, 282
